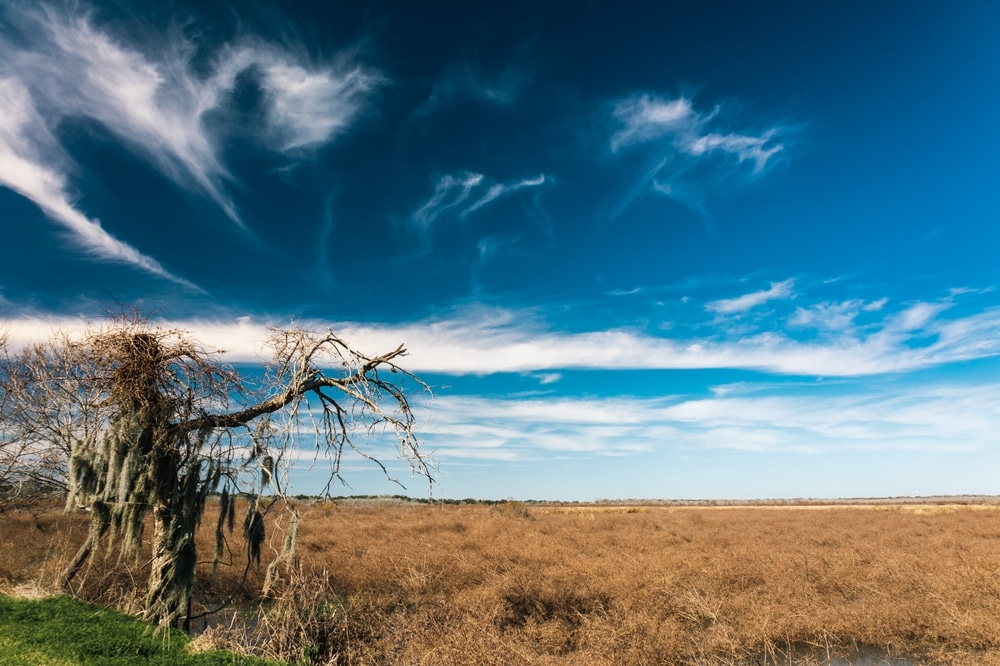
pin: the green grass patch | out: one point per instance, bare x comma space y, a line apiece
59, 631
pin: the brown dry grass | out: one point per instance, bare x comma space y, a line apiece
605, 585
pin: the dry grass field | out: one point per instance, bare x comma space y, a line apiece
512, 584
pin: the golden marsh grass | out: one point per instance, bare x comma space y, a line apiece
606, 584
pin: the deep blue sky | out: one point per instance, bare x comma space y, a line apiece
698, 250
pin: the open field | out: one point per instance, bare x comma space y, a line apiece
607, 584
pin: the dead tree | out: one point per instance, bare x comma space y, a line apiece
150, 423
35, 443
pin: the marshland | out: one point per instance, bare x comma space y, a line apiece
385, 581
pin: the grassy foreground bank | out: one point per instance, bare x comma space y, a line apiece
58, 631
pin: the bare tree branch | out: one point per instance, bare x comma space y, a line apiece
132, 420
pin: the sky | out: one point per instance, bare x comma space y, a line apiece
677, 250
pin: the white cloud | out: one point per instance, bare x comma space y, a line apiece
452, 191
449, 192
498, 190
506, 429
32, 164
148, 95
645, 118
149, 100
918, 316
744, 147
808, 417
834, 316
686, 153
777, 290
936, 417
876, 305
310, 106
480, 340
485, 341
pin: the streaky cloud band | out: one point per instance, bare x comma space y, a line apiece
482, 341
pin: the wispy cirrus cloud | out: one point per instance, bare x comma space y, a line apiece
946, 417
643, 119
464, 193
490, 246
839, 316
646, 118
777, 290
500, 190
756, 149
58, 63
686, 152
450, 192
33, 165
470, 80
467, 81
305, 105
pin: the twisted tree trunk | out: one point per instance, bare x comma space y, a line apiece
81, 557
176, 510
171, 575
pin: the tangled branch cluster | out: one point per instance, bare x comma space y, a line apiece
139, 420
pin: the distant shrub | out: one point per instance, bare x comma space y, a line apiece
512, 509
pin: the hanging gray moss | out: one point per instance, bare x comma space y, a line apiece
160, 425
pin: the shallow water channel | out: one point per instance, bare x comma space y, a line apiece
862, 656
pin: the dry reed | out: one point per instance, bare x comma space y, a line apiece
470, 584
